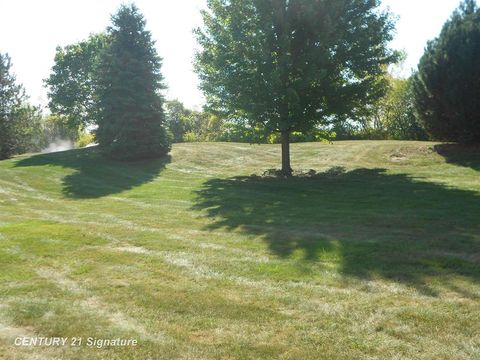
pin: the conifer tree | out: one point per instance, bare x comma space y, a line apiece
130, 122
447, 84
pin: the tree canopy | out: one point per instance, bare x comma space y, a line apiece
176, 119
130, 123
12, 95
394, 115
447, 84
293, 64
72, 83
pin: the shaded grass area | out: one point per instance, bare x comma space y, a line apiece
377, 256
468, 156
96, 176
380, 224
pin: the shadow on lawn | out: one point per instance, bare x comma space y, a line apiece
460, 155
96, 176
380, 224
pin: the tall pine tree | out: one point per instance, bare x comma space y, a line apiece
130, 125
447, 84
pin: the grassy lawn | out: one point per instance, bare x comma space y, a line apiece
199, 257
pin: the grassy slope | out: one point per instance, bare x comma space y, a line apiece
377, 257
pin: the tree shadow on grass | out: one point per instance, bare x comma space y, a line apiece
380, 224
460, 155
96, 176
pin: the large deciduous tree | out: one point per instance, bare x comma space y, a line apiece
447, 84
130, 122
293, 64
72, 85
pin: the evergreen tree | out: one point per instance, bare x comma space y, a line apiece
11, 97
130, 122
447, 85
291, 65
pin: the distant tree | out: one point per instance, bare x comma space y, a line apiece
204, 126
241, 130
85, 139
447, 84
57, 127
398, 116
177, 117
29, 131
291, 65
393, 116
72, 85
12, 95
131, 118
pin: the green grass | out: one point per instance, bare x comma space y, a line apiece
199, 257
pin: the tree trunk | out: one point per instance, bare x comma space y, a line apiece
286, 169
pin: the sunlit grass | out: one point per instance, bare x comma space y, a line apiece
198, 256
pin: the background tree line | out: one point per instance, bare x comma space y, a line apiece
28, 129
23, 126
393, 116
105, 90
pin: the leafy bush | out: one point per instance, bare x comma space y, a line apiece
84, 139
59, 127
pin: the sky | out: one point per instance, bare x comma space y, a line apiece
30, 30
